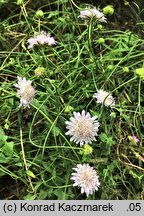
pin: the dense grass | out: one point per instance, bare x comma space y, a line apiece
75, 68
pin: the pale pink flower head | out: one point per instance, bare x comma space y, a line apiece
104, 98
25, 91
133, 137
31, 42
41, 38
86, 178
89, 13
82, 128
51, 41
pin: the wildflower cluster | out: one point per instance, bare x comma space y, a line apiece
82, 128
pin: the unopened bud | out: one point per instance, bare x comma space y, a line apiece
39, 13
108, 10
40, 71
101, 40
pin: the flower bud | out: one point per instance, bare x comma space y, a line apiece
113, 114
39, 13
108, 10
39, 71
101, 40
100, 27
68, 109
126, 69
110, 67
87, 149
126, 3
19, 2
140, 72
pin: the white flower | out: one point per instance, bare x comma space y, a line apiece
89, 13
104, 97
82, 128
86, 178
32, 42
51, 41
25, 91
42, 38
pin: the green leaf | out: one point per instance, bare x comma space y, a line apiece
107, 142
19, 164
58, 193
4, 159
106, 139
3, 137
30, 173
55, 131
42, 195
137, 176
2, 133
53, 13
8, 148
3, 140
29, 197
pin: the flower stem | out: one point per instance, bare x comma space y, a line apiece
24, 159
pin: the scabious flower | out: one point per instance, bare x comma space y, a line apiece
82, 128
105, 98
89, 13
42, 38
25, 91
86, 178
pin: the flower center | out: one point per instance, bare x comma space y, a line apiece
108, 100
84, 128
28, 93
86, 178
